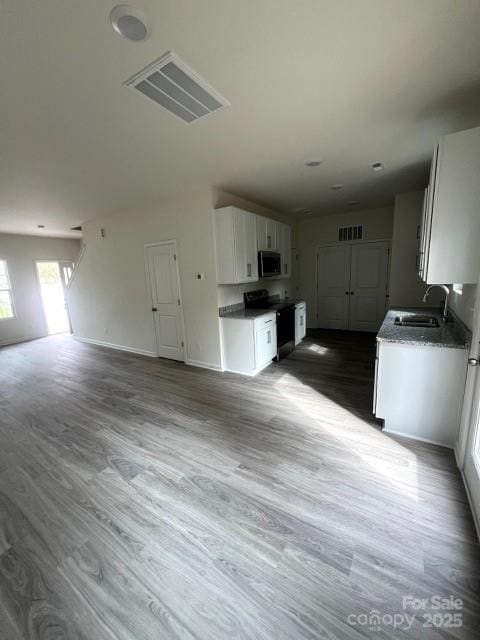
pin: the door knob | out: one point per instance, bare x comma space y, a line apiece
154, 309
473, 362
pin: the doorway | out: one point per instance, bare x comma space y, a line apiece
53, 278
352, 285
164, 284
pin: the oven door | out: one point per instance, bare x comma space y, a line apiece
285, 332
269, 264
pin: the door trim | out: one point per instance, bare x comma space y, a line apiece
64, 287
161, 243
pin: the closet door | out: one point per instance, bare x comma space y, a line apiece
333, 273
368, 286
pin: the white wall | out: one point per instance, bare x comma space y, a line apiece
232, 294
463, 303
311, 232
21, 252
109, 299
406, 287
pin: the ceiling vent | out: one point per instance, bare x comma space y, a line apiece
350, 233
174, 86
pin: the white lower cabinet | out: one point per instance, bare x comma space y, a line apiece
419, 390
300, 321
248, 345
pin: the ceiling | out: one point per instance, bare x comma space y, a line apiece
347, 81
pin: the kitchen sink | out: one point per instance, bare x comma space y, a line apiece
417, 321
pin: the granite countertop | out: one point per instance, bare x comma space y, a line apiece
246, 314
452, 334
238, 311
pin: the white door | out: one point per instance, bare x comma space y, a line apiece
244, 230
300, 323
265, 344
333, 286
165, 298
472, 458
53, 277
266, 234
368, 286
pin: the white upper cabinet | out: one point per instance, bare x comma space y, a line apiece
285, 247
451, 216
239, 236
235, 246
267, 234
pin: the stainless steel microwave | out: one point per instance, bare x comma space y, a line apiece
269, 264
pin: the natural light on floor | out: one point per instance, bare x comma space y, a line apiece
308, 400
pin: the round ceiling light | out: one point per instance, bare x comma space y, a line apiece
129, 22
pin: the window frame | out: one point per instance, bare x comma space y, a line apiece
10, 292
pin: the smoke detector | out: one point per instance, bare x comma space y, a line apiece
129, 22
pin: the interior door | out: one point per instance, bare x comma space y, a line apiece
333, 269
165, 298
368, 286
472, 454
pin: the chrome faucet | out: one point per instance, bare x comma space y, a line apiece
447, 293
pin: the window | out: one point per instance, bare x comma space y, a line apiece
6, 300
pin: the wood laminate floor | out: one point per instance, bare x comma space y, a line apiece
141, 499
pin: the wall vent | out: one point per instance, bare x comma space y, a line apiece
350, 233
174, 86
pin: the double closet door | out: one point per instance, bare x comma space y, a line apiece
352, 285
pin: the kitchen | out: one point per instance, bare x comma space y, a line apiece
263, 420
422, 352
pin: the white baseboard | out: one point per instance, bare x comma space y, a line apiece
410, 437
119, 347
6, 343
204, 365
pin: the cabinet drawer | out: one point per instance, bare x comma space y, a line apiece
267, 320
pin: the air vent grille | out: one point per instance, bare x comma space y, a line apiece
174, 86
350, 233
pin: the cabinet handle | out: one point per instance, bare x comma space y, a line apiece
352, 293
286, 268
154, 309
269, 337
249, 270
267, 321
301, 321
346, 293
269, 242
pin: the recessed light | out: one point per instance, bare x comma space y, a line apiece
41, 226
313, 163
129, 22
377, 166
336, 187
